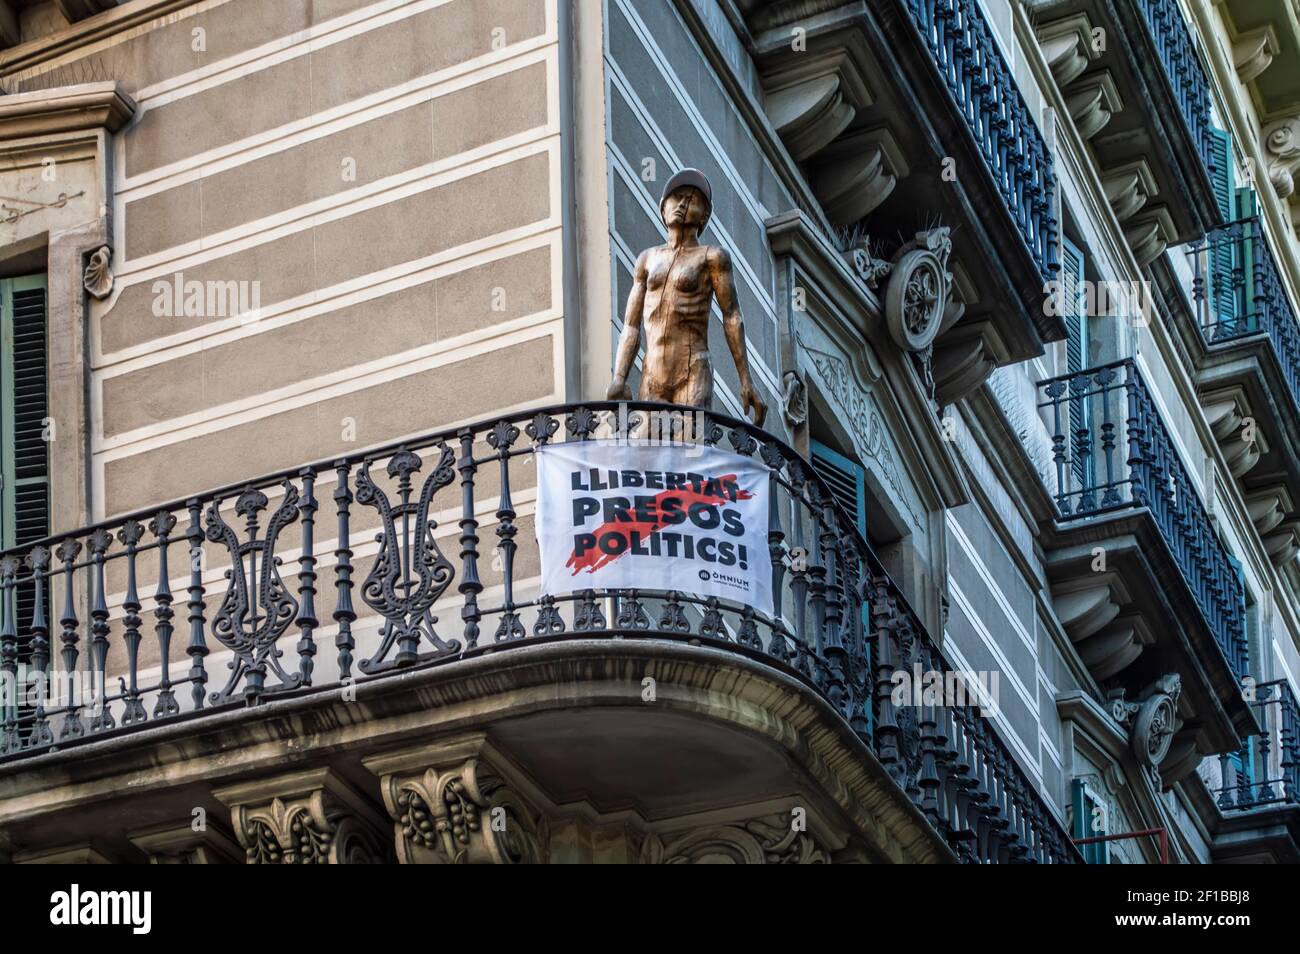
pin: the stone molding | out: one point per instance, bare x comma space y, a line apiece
64, 109
85, 32
1281, 141
182, 845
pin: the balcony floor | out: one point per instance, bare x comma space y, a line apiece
724, 734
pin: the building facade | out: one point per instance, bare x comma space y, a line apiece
294, 293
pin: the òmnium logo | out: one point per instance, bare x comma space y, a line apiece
76, 907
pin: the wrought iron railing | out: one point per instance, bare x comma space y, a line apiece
395, 511
1266, 771
984, 89
1239, 292
1112, 451
1182, 65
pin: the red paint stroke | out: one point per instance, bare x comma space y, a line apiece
596, 558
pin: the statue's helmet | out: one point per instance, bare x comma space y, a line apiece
696, 179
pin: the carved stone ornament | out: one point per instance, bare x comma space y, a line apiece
1153, 721
770, 840
98, 276
871, 270
462, 814
794, 400
307, 818
919, 285
1282, 146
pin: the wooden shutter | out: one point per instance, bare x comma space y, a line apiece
1084, 806
1225, 280
24, 412
846, 480
1075, 303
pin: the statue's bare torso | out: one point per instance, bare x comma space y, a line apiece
675, 315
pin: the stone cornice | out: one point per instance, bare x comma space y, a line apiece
88, 31
65, 109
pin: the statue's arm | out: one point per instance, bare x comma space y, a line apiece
630, 340
724, 288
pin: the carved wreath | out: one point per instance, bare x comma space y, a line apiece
918, 290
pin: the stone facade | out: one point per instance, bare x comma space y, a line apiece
279, 233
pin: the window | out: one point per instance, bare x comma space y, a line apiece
24, 416
1088, 813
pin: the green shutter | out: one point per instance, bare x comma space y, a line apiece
846, 480
1222, 180
1075, 303
1244, 758
24, 409
1083, 809
1225, 279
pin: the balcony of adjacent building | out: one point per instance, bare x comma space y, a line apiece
903, 115
1141, 581
1263, 47
1257, 788
1240, 329
1134, 83
353, 659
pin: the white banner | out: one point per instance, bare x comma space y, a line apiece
612, 515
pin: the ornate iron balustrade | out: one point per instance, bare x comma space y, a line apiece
985, 93
418, 604
1239, 292
1267, 769
1112, 451
1182, 65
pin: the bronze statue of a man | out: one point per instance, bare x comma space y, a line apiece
672, 290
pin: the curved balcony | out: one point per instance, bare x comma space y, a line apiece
129, 618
